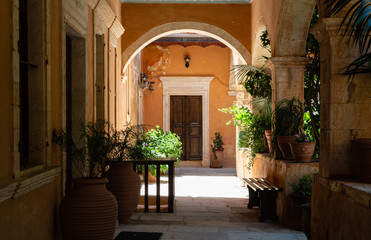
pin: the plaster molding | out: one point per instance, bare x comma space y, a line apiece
28, 184
196, 86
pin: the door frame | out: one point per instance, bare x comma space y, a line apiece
189, 86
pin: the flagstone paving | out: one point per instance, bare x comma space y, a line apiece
210, 204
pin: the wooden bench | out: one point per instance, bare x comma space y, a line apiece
263, 194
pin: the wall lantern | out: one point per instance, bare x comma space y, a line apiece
143, 83
187, 60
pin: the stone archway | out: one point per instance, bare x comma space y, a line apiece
179, 27
292, 35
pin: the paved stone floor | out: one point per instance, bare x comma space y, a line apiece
210, 204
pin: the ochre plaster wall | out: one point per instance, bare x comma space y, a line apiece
32, 216
210, 61
138, 19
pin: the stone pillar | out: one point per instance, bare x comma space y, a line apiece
345, 103
287, 78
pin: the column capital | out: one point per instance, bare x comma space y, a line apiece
287, 61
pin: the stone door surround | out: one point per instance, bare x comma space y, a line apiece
195, 86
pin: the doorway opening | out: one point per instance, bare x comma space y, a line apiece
186, 122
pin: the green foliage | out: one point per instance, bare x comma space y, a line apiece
159, 144
251, 126
312, 84
98, 142
357, 23
287, 119
303, 185
255, 80
264, 38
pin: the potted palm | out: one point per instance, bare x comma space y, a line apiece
287, 120
124, 182
89, 202
217, 156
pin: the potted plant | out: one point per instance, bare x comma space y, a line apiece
303, 147
301, 195
217, 157
287, 119
124, 182
89, 202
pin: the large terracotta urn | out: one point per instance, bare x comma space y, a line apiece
88, 211
302, 151
361, 148
125, 184
217, 159
283, 144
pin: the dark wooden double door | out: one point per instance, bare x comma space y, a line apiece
186, 121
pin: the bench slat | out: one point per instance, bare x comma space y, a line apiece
256, 181
252, 184
270, 184
267, 184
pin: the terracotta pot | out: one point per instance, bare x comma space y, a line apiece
87, 204
302, 151
362, 153
297, 203
268, 136
283, 144
151, 177
217, 159
305, 220
125, 184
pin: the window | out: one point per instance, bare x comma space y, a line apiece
32, 84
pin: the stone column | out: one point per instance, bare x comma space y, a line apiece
345, 103
287, 78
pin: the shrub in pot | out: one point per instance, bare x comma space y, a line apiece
301, 194
287, 120
217, 148
89, 201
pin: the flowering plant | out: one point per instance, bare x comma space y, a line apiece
217, 143
303, 137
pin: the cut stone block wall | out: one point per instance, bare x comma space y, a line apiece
340, 210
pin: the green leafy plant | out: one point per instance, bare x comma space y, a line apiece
255, 80
303, 185
157, 143
252, 127
217, 144
356, 22
97, 143
303, 137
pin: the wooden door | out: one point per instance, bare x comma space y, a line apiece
186, 121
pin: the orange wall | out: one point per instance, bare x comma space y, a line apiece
138, 19
209, 61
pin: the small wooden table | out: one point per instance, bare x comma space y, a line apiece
171, 175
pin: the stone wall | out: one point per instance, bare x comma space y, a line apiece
340, 210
